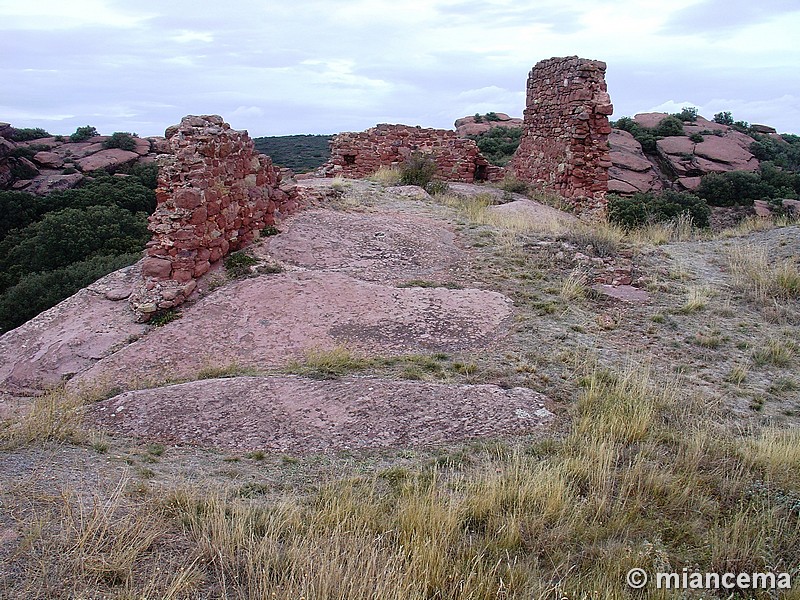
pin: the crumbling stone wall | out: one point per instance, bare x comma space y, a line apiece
359, 155
564, 144
215, 193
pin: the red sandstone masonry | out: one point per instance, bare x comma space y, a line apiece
564, 146
359, 155
215, 193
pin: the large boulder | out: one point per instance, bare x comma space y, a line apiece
106, 159
631, 171
467, 126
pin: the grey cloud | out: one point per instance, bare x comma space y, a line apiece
720, 17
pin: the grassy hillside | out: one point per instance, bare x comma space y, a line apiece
301, 153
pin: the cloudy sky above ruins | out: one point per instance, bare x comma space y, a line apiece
311, 66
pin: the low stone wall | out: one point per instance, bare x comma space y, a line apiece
564, 145
215, 193
359, 155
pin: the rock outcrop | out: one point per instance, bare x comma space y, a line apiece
564, 145
51, 164
631, 171
680, 161
467, 126
359, 155
215, 193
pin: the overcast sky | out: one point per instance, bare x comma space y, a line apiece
310, 66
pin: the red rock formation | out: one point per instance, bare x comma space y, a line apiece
564, 146
469, 126
359, 155
215, 193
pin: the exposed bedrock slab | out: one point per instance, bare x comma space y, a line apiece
297, 415
268, 321
386, 247
69, 337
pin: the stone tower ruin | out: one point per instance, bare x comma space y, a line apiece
564, 146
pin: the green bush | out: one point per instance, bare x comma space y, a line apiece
647, 208
36, 292
723, 118
68, 236
122, 140
688, 113
697, 138
418, 169
83, 133
23, 152
498, 144
735, 188
26, 134
668, 126
237, 265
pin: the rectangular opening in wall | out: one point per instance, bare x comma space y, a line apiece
349, 159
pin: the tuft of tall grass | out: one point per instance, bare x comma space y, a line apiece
759, 277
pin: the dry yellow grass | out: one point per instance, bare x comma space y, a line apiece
760, 277
643, 478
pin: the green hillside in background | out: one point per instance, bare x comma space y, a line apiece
300, 153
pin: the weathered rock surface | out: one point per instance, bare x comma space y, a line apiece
61, 164
68, 338
564, 145
684, 161
297, 415
631, 171
467, 126
112, 158
268, 321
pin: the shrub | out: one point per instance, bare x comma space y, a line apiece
36, 292
669, 126
498, 144
25, 134
23, 152
121, 140
646, 208
437, 187
237, 265
735, 188
513, 185
491, 116
723, 118
83, 133
688, 113
418, 169
696, 138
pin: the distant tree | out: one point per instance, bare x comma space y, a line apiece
39, 291
83, 133
669, 126
71, 235
688, 113
723, 118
